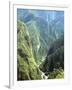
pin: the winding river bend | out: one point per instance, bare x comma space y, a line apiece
43, 76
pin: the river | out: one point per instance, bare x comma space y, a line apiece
43, 76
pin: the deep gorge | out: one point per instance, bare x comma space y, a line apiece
40, 45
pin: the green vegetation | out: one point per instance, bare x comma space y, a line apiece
54, 60
26, 66
56, 74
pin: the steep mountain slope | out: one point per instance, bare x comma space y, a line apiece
27, 68
55, 57
44, 28
39, 44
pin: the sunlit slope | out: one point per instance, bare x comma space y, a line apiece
26, 66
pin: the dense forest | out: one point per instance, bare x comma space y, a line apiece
40, 44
